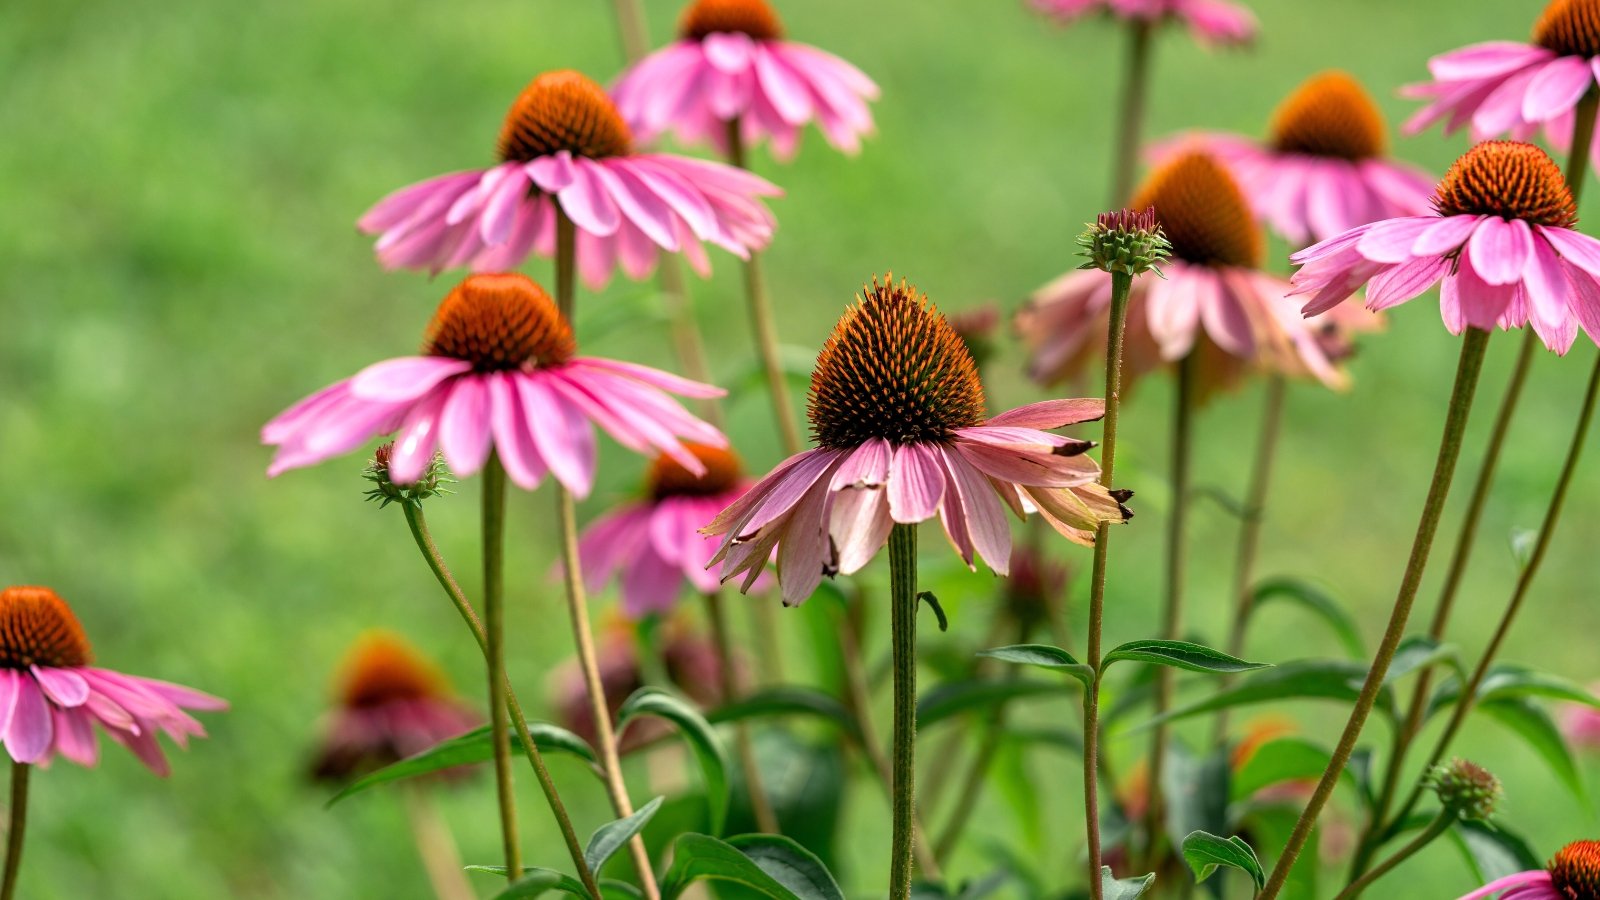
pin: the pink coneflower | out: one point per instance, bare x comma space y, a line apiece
1580, 724
655, 543
563, 145
1572, 874
1323, 168
1210, 21
1509, 87
51, 698
689, 661
1501, 241
392, 703
498, 371
1213, 301
897, 411
731, 64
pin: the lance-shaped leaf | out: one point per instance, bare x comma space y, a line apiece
475, 746
702, 738
610, 837
1181, 655
787, 700
771, 865
1305, 679
956, 697
1316, 601
1205, 853
1046, 657
1114, 888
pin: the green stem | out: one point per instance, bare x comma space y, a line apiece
19, 827
494, 515
1473, 345
903, 602
1121, 286
441, 859
690, 346
1172, 613
631, 29
1135, 88
760, 803
1440, 824
447, 580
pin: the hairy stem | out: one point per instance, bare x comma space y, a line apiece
18, 828
903, 602
494, 514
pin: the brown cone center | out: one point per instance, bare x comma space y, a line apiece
755, 18
1507, 179
500, 322
893, 369
1203, 212
563, 110
1330, 115
381, 668
668, 477
1575, 870
1570, 28
37, 628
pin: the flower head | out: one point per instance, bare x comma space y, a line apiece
1213, 300
1580, 724
1033, 587
390, 703
654, 545
1501, 241
498, 371
51, 697
563, 146
689, 660
1465, 789
1572, 874
1125, 241
897, 411
430, 483
1212, 22
731, 67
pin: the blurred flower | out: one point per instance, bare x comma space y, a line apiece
1323, 170
655, 543
731, 63
1210, 21
1033, 587
1515, 88
976, 327
690, 663
1465, 788
564, 144
52, 697
1580, 724
1501, 241
898, 413
498, 371
1213, 302
1572, 874
391, 703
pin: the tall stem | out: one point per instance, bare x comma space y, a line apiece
761, 320
1121, 284
631, 29
690, 347
1172, 612
437, 849
1135, 88
1440, 824
1473, 345
494, 516
760, 803
18, 828
903, 603
452, 589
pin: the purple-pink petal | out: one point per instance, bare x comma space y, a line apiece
916, 484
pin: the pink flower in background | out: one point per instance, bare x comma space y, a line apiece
1515, 88
392, 703
1570, 875
564, 146
1213, 301
689, 661
654, 545
1501, 242
1580, 724
897, 410
498, 372
1210, 21
1323, 169
51, 698
731, 64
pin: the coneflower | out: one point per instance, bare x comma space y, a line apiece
1572, 874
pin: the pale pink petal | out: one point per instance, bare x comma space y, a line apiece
985, 517
74, 736
587, 202
560, 431
62, 686
1444, 235
916, 484
1499, 249
1557, 88
805, 553
1052, 413
465, 434
859, 524
418, 435
405, 379
1545, 282
1486, 60
1579, 249
9, 689
654, 377
513, 437
865, 466
1397, 284
30, 733
1391, 240
1536, 877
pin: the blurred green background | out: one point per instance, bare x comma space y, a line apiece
178, 262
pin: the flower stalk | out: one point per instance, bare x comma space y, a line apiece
760, 803
437, 849
1440, 824
1130, 122
903, 603
18, 828
494, 513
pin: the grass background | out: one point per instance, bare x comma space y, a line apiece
178, 263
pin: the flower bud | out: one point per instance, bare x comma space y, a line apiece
432, 482
1125, 241
1465, 788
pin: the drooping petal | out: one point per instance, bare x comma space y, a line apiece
916, 484
31, 730
465, 433
986, 518
859, 525
1048, 414
865, 466
1499, 249
62, 686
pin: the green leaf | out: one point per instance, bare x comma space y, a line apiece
1493, 852
610, 837
1539, 731
787, 701
475, 746
1418, 652
956, 697
1181, 655
707, 746
1316, 601
773, 866
1507, 680
1206, 852
1196, 791
1304, 679
1044, 656
1112, 888
1271, 826
1280, 760
534, 882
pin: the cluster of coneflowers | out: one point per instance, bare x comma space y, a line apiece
1178, 280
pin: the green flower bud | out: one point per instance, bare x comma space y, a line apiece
1125, 241
432, 482
1465, 788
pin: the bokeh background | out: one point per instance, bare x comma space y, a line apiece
178, 262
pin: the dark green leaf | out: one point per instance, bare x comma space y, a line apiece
1318, 602
1418, 652
932, 600
533, 883
1507, 680
1535, 726
1493, 852
774, 866
787, 701
473, 747
1196, 791
610, 837
956, 697
1112, 888
1304, 679
1045, 656
707, 746
1205, 852
1181, 655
